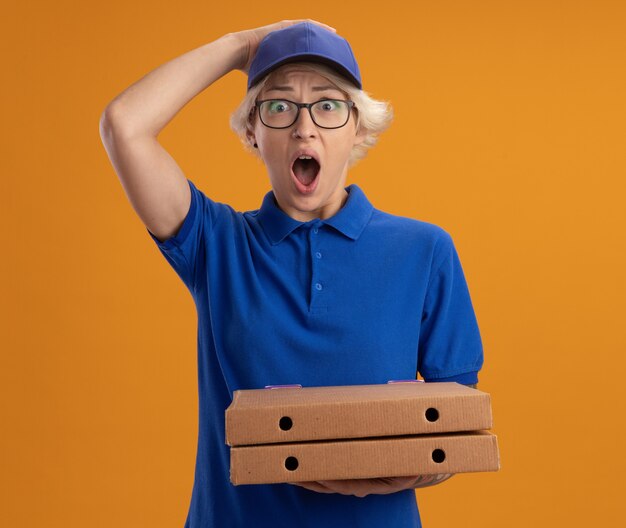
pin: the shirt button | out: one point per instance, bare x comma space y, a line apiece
318, 255
318, 286
315, 230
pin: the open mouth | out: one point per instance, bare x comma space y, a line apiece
305, 172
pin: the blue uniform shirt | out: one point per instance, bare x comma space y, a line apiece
360, 298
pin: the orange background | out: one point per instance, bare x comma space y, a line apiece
509, 134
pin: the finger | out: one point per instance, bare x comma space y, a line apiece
364, 487
330, 28
344, 487
400, 480
313, 486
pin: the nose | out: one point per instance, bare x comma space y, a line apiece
304, 125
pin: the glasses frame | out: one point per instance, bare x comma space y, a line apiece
351, 105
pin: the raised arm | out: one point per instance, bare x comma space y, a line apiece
154, 183
131, 122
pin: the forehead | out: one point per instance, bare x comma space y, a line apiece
290, 77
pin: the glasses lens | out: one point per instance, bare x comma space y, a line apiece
330, 113
327, 113
278, 113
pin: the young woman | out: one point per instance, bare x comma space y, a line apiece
317, 286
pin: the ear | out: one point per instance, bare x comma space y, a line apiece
360, 136
361, 132
250, 137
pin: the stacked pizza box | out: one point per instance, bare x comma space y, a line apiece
402, 428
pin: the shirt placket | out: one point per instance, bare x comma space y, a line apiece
319, 284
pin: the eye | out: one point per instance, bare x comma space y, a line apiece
328, 105
278, 106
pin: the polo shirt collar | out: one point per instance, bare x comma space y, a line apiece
350, 220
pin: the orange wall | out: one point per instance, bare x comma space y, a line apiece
509, 134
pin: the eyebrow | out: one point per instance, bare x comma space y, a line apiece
290, 89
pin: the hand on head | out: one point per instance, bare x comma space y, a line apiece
253, 37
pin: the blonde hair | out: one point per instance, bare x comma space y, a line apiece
372, 115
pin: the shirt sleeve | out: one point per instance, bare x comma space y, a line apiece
185, 250
450, 345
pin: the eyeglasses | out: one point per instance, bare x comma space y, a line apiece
325, 113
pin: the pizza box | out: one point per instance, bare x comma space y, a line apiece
365, 458
300, 414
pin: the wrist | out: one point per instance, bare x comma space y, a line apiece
241, 50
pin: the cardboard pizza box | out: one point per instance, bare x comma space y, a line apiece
296, 414
365, 458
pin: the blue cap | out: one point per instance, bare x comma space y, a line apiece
304, 41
